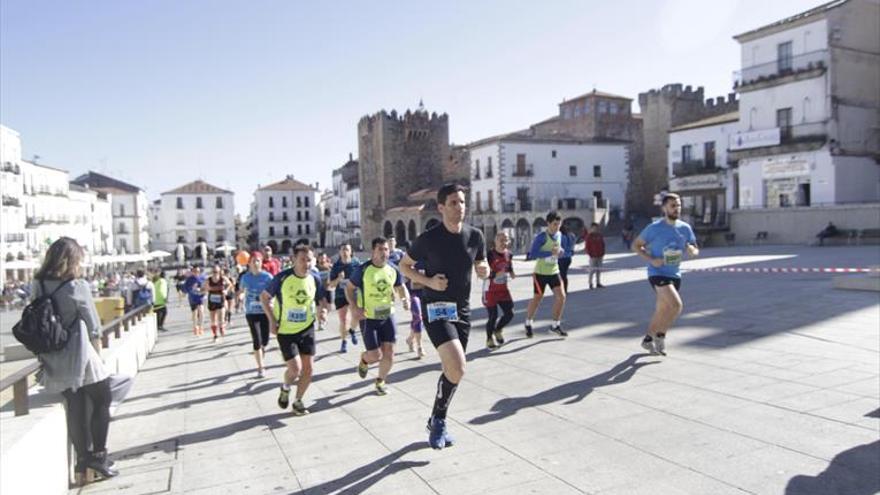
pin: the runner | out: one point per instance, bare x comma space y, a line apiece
323, 265
195, 291
295, 293
662, 244
179, 279
394, 254
160, 299
449, 251
216, 287
546, 250
230, 294
495, 291
339, 275
375, 280
414, 340
252, 283
270, 264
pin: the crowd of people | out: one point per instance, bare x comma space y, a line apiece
291, 299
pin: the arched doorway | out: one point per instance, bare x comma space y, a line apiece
411, 230
574, 225
522, 236
400, 231
274, 245
538, 225
387, 229
285, 246
507, 226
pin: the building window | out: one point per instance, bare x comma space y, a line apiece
598, 195
299, 202
271, 216
488, 167
476, 169
566, 113
271, 231
603, 106
179, 203
199, 205
121, 210
686, 153
284, 201
479, 202
709, 154
299, 230
586, 107
308, 229
219, 204
180, 220
307, 215
572, 170
286, 231
200, 220
299, 216
307, 202
577, 111
552, 153
521, 164
783, 122
597, 170
491, 201
783, 56
220, 235
284, 215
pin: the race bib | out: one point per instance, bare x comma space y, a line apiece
215, 298
442, 311
297, 315
382, 312
254, 306
500, 279
672, 256
342, 285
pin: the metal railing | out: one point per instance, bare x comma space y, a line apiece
781, 67
19, 379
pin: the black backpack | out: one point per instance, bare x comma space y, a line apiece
40, 329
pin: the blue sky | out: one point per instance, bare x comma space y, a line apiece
160, 93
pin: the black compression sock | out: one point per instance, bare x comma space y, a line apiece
445, 391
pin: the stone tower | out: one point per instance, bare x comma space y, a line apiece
661, 110
398, 155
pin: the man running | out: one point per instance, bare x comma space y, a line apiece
339, 275
194, 288
661, 244
546, 250
296, 293
252, 283
448, 252
495, 291
375, 279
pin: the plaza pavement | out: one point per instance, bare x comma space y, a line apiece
771, 387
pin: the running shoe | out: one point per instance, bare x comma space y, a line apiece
362, 368
409, 343
260, 374
490, 343
343, 348
437, 432
529, 333
284, 398
422, 352
660, 345
354, 337
600, 286
557, 329
648, 344
499, 337
381, 389
299, 409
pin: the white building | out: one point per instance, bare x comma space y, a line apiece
12, 212
344, 223
91, 219
193, 213
809, 93
131, 220
699, 172
47, 205
154, 211
285, 212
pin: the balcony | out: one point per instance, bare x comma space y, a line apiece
527, 171
693, 167
772, 72
353, 225
11, 201
9, 167
14, 238
801, 137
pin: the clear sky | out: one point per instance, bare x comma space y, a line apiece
159, 93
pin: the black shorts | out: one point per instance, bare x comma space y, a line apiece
442, 331
328, 297
378, 332
293, 344
194, 306
340, 302
660, 281
212, 306
259, 325
540, 282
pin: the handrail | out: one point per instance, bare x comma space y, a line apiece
19, 379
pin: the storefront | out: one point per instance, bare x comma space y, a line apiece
703, 199
786, 183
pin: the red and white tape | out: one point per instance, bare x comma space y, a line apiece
735, 269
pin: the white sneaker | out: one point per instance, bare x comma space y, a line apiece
648, 344
660, 344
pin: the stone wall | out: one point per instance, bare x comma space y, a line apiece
800, 225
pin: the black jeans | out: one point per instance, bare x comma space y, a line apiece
564, 263
81, 422
161, 313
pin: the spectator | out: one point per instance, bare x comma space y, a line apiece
596, 251
77, 370
627, 235
830, 230
160, 298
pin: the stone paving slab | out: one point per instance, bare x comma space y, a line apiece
772, 386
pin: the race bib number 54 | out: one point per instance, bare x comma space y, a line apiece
442, 311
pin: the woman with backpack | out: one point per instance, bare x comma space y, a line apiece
76, 370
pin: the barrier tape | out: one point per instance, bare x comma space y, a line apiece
756, 270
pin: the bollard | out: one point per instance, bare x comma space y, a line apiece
20, 396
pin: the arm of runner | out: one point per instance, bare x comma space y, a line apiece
639, 248
692, 248
266, 302
535, 251
356, 281
481, 266
402, 292
438, 282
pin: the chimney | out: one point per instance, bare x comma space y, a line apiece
719, 100
731, 97
350, 158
